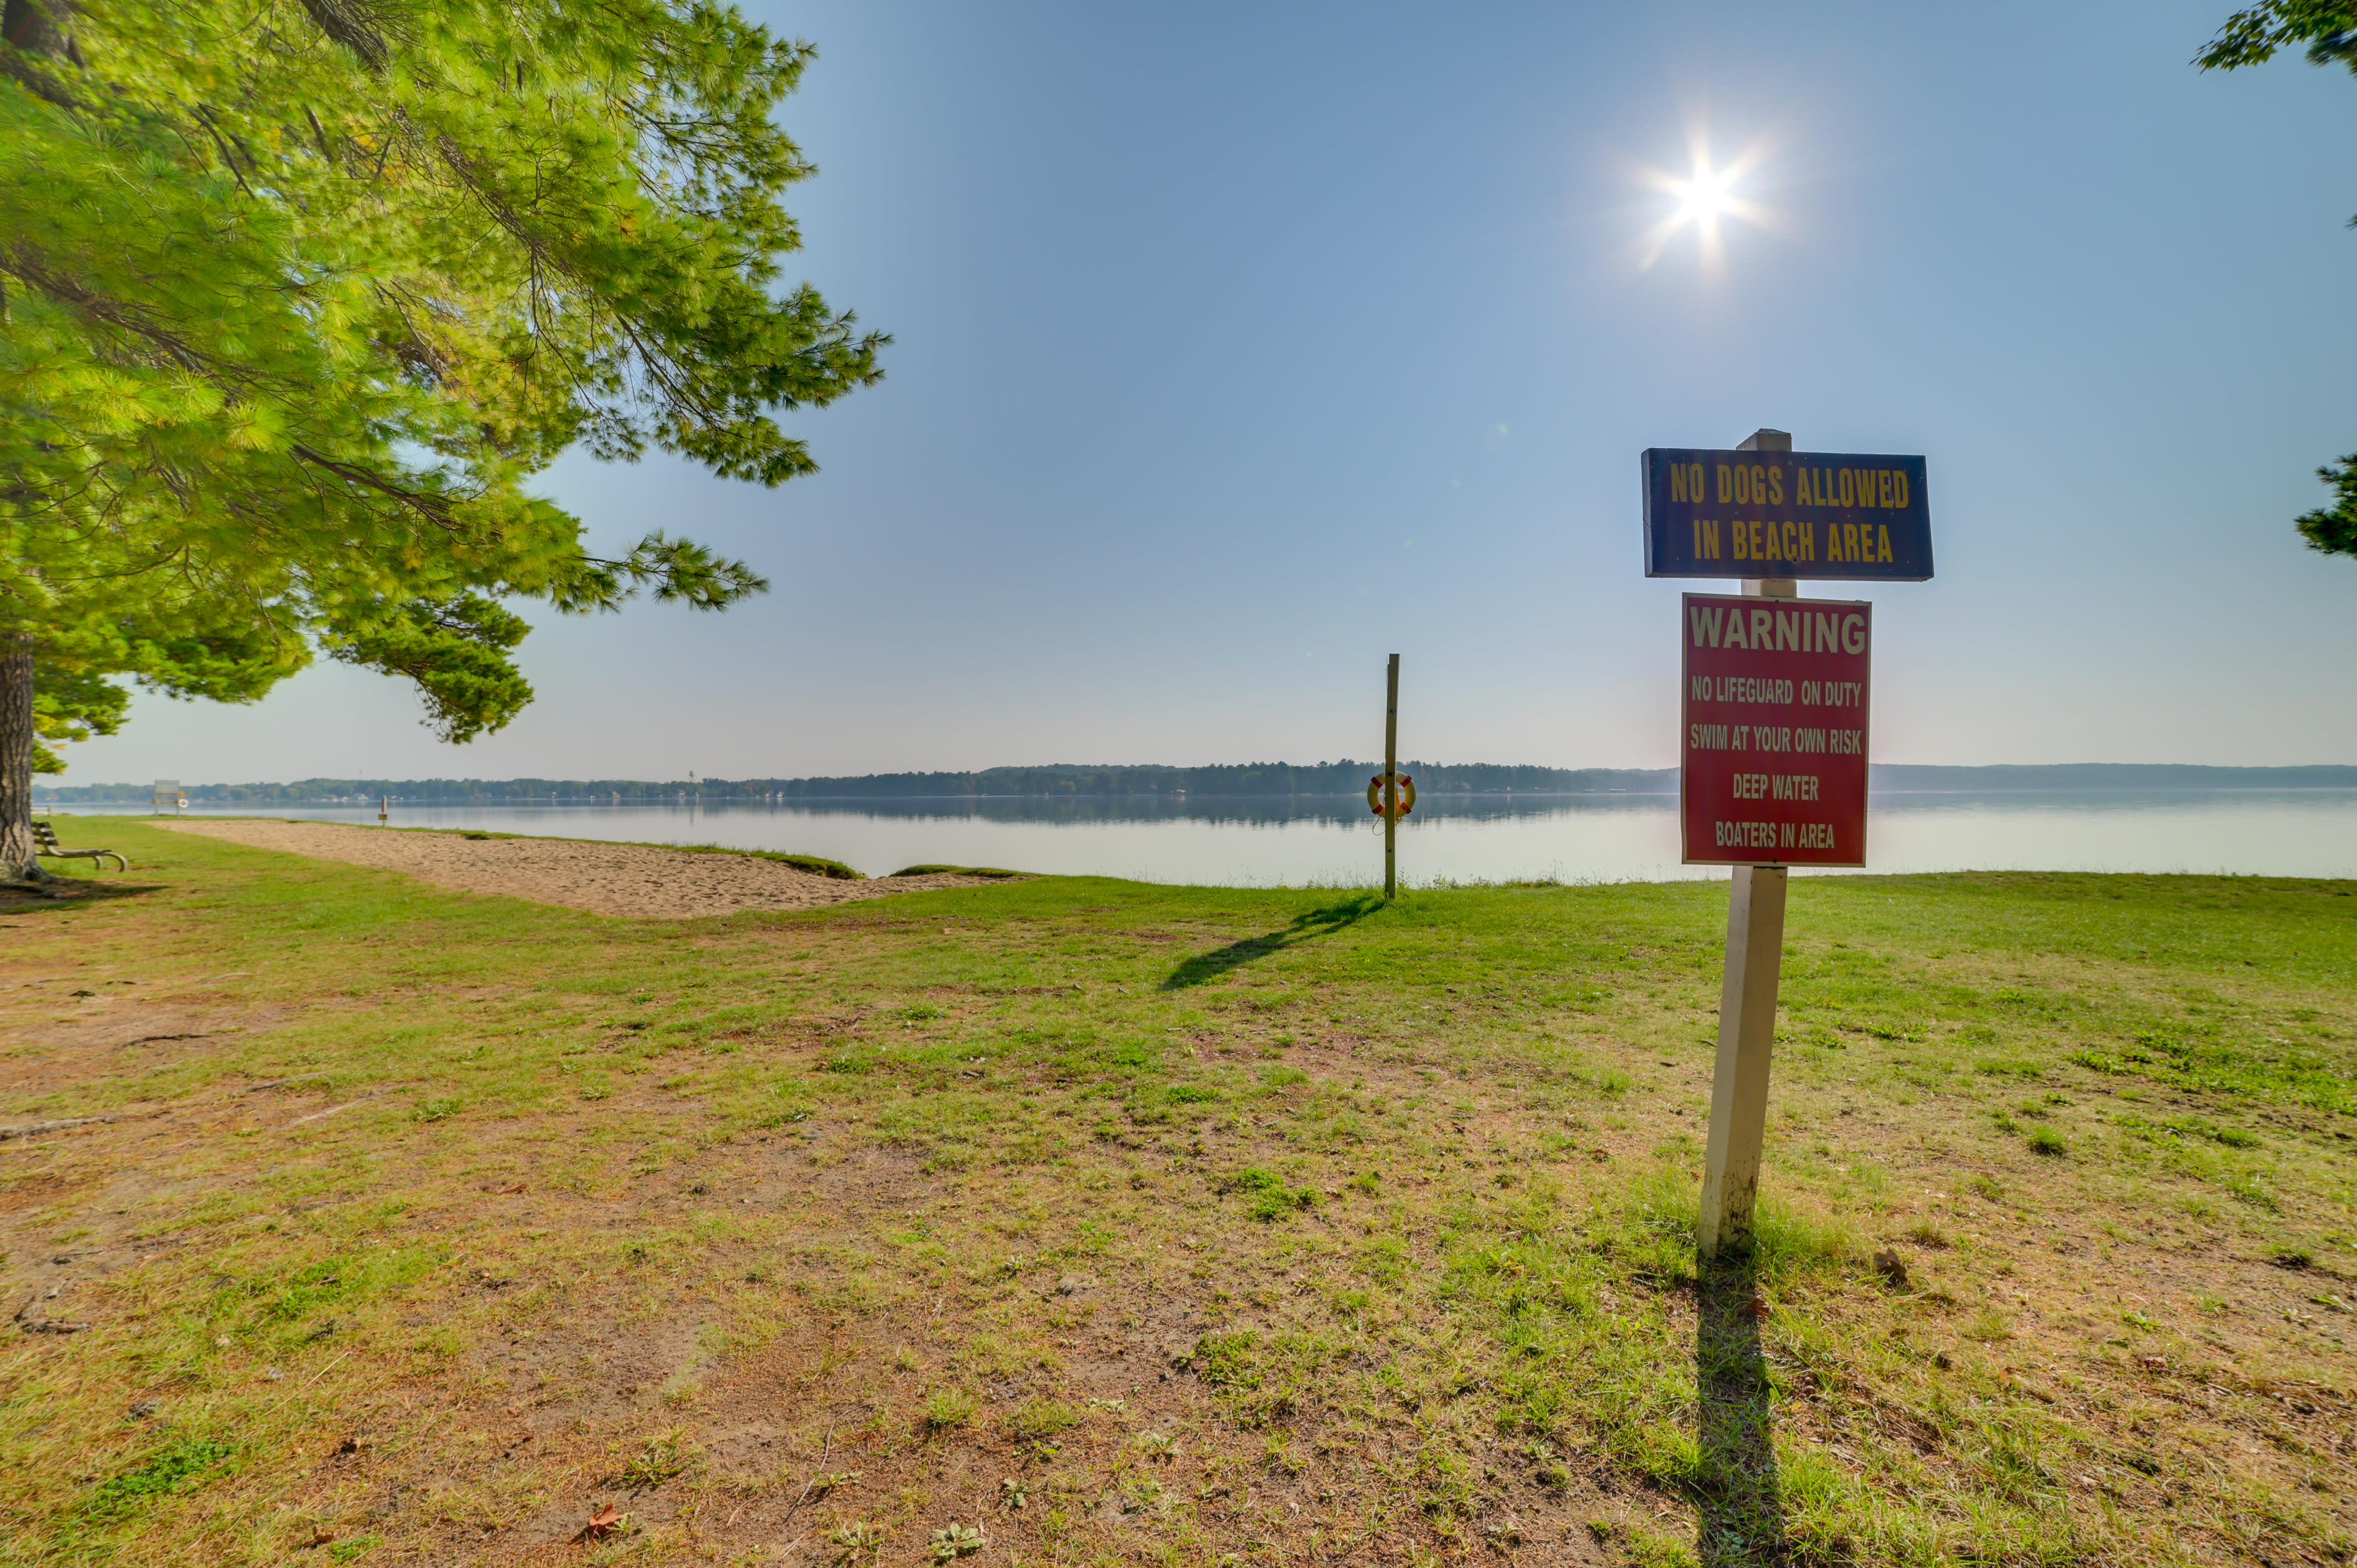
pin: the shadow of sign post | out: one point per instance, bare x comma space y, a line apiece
1737, 1495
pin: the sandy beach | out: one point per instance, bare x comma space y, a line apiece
575, 873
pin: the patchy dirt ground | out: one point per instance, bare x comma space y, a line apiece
573, 874
775, 1373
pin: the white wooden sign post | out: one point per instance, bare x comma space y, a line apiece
1747, 1033
1747, 1008
1775, 703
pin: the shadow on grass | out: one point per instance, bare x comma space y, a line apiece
1209, 966
1737, 1492
68, 893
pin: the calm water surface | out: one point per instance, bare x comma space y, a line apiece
1296, 841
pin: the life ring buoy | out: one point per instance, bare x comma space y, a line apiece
1406, 794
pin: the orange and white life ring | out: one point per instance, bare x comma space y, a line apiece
1406, 794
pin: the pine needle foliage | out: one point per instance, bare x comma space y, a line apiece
296, 296
2252, 36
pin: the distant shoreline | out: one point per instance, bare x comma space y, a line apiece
1170, 785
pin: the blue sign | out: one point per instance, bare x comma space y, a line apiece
1785, 514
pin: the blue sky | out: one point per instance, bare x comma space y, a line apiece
1239, 346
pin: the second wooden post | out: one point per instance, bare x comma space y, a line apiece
1390, 779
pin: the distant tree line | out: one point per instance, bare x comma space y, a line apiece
2083, 776
1255, 780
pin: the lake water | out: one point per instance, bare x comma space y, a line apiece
1294, 841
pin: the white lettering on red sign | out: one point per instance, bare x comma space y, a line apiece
1767, 780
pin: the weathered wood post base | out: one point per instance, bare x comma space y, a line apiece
1746, 1034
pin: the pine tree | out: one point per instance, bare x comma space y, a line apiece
295, 296
2328, 29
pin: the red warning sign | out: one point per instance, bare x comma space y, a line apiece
1776, 706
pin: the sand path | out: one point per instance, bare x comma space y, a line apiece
576, 873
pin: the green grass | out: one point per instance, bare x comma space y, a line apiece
1282, 1218
953, 871
947, 1408
175, 1467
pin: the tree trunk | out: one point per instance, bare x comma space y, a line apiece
36, 28
17, 863
33, 26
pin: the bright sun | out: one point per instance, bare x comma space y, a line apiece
1701, 199
1704, 196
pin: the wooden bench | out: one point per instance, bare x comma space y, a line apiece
44, 843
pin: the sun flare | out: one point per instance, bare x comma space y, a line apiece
1703, 197
1699, 200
